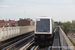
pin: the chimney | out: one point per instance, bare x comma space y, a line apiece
31, 19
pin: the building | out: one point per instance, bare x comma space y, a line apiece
2, 23
73, 21
9, 23
25, 22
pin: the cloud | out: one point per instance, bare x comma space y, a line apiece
4, 6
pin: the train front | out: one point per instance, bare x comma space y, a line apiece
42, 30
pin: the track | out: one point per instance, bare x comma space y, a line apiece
9, 42
18, 43
34, 47
56, 43
39, 48
28, 43
31, 46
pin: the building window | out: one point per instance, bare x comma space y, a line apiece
7, 23
16, 24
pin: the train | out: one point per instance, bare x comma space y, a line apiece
44, 27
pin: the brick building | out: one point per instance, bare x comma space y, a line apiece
2, 23
9, 23
25, 22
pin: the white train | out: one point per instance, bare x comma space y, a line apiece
44, 27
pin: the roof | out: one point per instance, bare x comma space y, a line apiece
1, 20
13, 21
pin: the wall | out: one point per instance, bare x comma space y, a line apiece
65, 42
0, 24
9, 32
23, 23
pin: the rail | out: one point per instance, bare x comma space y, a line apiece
12, 45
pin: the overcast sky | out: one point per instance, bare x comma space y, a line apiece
59, 10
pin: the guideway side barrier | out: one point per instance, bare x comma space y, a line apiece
10, 32
65, 42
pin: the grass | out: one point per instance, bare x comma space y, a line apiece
72, 41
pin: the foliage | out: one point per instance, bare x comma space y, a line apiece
66, 26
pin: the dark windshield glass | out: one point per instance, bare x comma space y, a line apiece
43, 25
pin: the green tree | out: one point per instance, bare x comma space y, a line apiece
67, 26
56, 23
73, 23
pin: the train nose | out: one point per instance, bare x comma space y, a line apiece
43, 37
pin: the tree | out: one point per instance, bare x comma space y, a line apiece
67, 26
55, 23
73, 23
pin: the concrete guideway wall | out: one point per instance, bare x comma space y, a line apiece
26, 29
9, 32
65, 42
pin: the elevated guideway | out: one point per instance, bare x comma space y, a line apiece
61, 41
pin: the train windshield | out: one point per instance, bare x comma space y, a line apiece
43, 25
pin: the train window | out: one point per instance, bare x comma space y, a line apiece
43, 25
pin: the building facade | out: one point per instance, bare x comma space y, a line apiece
9, 23
25, 22
73, 21
2, 23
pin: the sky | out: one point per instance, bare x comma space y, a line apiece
59, 10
